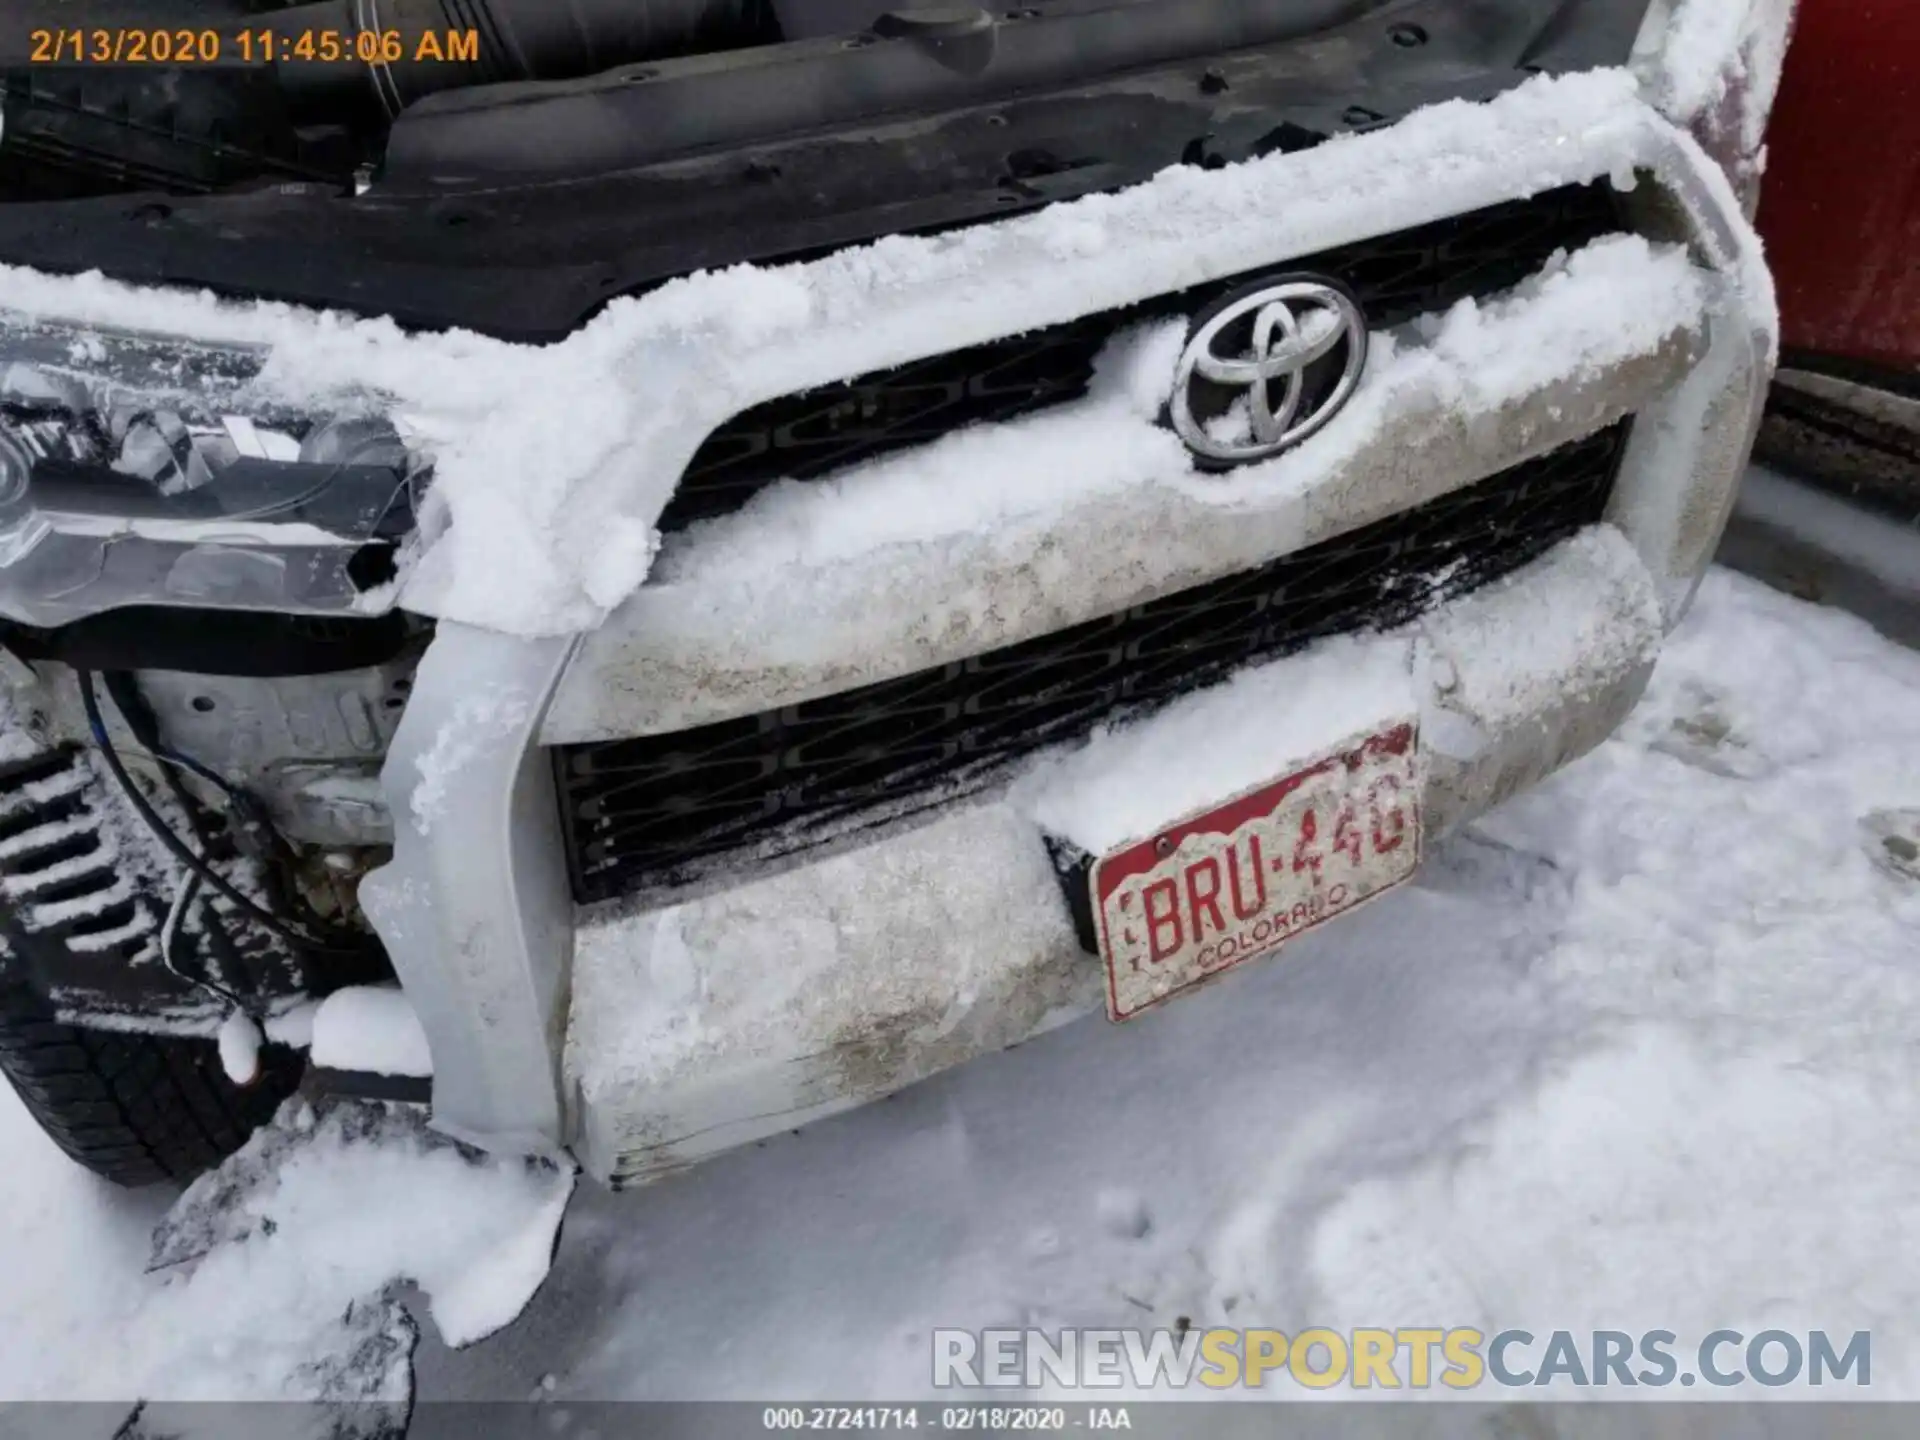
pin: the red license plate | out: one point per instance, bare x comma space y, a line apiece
1237, 880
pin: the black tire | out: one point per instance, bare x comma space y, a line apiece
134, 1109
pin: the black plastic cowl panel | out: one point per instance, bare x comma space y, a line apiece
518, 211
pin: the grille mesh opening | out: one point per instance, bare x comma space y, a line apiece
660, 810
1396, 277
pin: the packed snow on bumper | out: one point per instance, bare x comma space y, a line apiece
275, 1277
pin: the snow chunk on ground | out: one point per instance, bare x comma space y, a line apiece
372, 1029
277, 1275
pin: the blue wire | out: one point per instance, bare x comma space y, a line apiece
189, 763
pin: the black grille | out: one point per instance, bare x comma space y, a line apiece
1396, 278
651, 812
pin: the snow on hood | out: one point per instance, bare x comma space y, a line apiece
554, 462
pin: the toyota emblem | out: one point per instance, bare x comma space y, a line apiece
1265, 367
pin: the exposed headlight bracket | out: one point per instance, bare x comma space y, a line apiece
138, 470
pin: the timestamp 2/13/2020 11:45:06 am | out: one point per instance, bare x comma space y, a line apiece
208, 45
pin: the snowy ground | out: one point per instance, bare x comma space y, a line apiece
270, 1277
1638, 1051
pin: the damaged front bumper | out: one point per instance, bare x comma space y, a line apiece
742, 1013
647, 1034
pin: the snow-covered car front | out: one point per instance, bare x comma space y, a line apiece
781, 653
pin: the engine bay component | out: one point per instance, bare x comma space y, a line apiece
519, 209
301, 92
70, 131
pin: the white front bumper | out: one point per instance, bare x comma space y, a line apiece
746, 1012
646, 1041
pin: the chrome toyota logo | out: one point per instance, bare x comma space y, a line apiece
1265, 368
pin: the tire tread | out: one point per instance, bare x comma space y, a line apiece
135, 1109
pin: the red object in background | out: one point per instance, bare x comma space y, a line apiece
1840, 201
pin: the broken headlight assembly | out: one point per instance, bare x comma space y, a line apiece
141, 470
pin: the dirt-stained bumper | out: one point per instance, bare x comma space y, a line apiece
745, 1012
